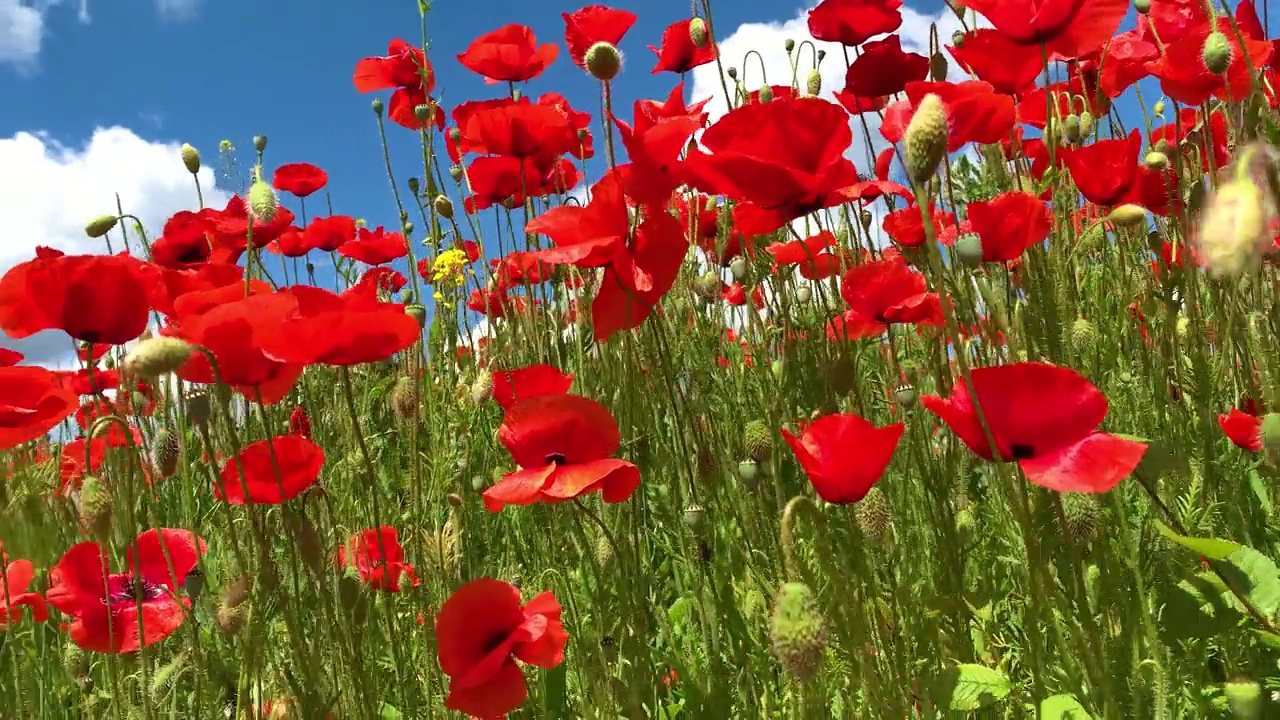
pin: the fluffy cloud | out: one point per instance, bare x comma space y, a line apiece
48, 191
21, 29
178, 10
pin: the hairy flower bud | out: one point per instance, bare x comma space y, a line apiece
262, 202
603, 61
698, 32
100, 226
156, 356
1216, 53
926, 139
813, 82
260, 143
1128, 216
766, 94
797, 631
1233, 228
190, 158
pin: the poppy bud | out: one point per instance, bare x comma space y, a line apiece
926, 139
377, 106
707, 286
866, 218
100, 226
352, 597
167, 453
407, 228
694, 516
732, 72
260, 143
1216, 53
482, 387
1080, 512
698, 32
516, 95
306, 539
455, 173
1142, 6
813, 82
766, 95
417, 312
190, 158
1083, 336
758, 440
957, 39
1128, 216
969, 249
443, 206
1233, 228
789, 45
1158, 108
156, 356
803, 294
603, 61
96, 505
262, 202
797, 631
1156, 161
455, 500
422, 113
938, 67
749, 471
1086, 124
1071, 128
873, 515
404, 398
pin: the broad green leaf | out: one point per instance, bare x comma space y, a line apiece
1063, 707
1255, 575
970, 687
1199, 607
1211, 548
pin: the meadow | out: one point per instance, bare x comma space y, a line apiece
983, 426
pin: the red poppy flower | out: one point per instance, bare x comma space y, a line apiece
106, 607
884, 68
1008, 224
509, 54
1123, 62
621, 302
174, 283
593, 24
528, 382
15, 580
994, 58
183, 241
406, 69
328, 234
300, 422
648, 112
853, 22
521, 130
509, 181
1070, 28
591, 235
1243, 429
1184, 77
94, 298
375, 247
377, 556
678, 54
883, 293
9, 358
33, 401
782, 160
844, 455
229, 230
336, 329
795, 252
482, 631
297, 459
1103, 171
564, 446
975, 113
906, 226
1044, 418
299, 179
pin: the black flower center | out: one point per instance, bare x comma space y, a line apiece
128, 589
557, 458
1022, 452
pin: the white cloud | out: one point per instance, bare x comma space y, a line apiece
178, 10
48, 191
21, 30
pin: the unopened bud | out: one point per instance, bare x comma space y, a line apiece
156, 356
1233, 228
443, 206
1128, 215
423, 113
413, 184
938, 67
260, 143
100, 226
377, 106
1071, 128
698, 32
926, 139
789, 45
813, 83
603, 61
190, 158
1216, 53
262, 202
1155, 160
766, 95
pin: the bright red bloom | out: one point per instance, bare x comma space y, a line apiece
1070, 28
906, 226
591, 235
378, 558
593, 24
229, 230
622, 301
33, 401
1243, 429
883, 293
94, 298
184, 241
406, 69
173, 284
298, 460
564, 446
844, 455
782, 160
1103, 171
1008, 224
509, 181
1045, 418
105, 606
994, 58
884, 68
529, 382
9, 358
1184, 77
678, 54
336, 329
853, 22
509, 54
329, 233
300, 422
975, 113
482, 631
1123, 62
521, 130
375, 247
15, 579
299, 179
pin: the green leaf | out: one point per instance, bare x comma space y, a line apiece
1063, 707
1255, 575
1198, 607
1260, 491
1211, 548
970, 687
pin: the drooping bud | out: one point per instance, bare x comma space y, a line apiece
698, 32
96, 508
1128, 215
1086, 124
156, 356
443, 206
797, 631
813, 82
938, 67
190, 158
957, 39
873, 514
1071, 128
1233, 228
789, 45
603, 61
926, 139
100, 226
1216, 53
758, 440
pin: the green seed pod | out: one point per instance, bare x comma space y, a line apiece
758, 440
969, 249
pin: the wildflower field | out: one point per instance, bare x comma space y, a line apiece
980, 422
